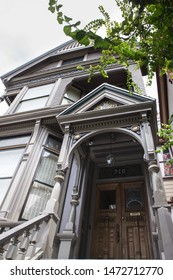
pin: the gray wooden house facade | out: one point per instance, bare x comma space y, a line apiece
79, 174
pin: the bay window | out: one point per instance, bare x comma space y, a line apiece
44, 180
11, 151
71, 95
35, 98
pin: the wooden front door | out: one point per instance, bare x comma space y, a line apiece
120, 229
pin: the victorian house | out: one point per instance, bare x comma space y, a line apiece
79, 174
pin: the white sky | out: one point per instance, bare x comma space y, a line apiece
28, 28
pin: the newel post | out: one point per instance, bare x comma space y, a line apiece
157, 184
68, 236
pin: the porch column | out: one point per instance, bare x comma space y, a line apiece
68, 236
147, 138
53, 203
164, 225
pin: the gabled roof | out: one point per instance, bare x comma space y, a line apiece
63, 48
105, 93
108, 105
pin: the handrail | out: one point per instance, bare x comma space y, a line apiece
24, 226
10, 223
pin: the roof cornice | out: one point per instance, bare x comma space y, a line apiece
63, 48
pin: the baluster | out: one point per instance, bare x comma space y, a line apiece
23, 246
2, 250
12, 249
33, 241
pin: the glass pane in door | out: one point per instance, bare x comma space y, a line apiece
133, 198
107, 199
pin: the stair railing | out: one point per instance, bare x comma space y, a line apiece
27, 240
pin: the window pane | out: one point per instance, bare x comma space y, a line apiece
4, 184
10, 159
43, 181
168, 169
4, 142
66, 101
37, 200
133, 199
166, 155
107, 199
72, 60
53, 143
38, 91
32, 104
72, 95
47, 169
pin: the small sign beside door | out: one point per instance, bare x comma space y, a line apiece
135, 214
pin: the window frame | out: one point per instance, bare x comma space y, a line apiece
67, 100
163, 162
34, 97
13, 147
35, 181
72, 60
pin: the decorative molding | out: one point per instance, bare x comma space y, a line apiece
121, 122
16, 127
105, 104
40, 80
28, 116
59, 177
68, 47
52, 75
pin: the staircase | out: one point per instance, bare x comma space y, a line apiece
28, 240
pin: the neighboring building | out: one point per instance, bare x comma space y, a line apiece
79, 175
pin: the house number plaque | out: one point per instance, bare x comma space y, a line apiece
120, 171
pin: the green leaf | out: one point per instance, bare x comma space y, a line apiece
67, 19
84, 41
58, 7
101, 43
67, 30
80, 34
91, 35
60, 14
77, 24
52, 9
73, 34
52, 2
60, 20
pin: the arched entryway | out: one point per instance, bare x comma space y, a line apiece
114, 213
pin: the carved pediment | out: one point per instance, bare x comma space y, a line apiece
105, 104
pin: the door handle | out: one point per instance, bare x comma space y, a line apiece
117, 233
